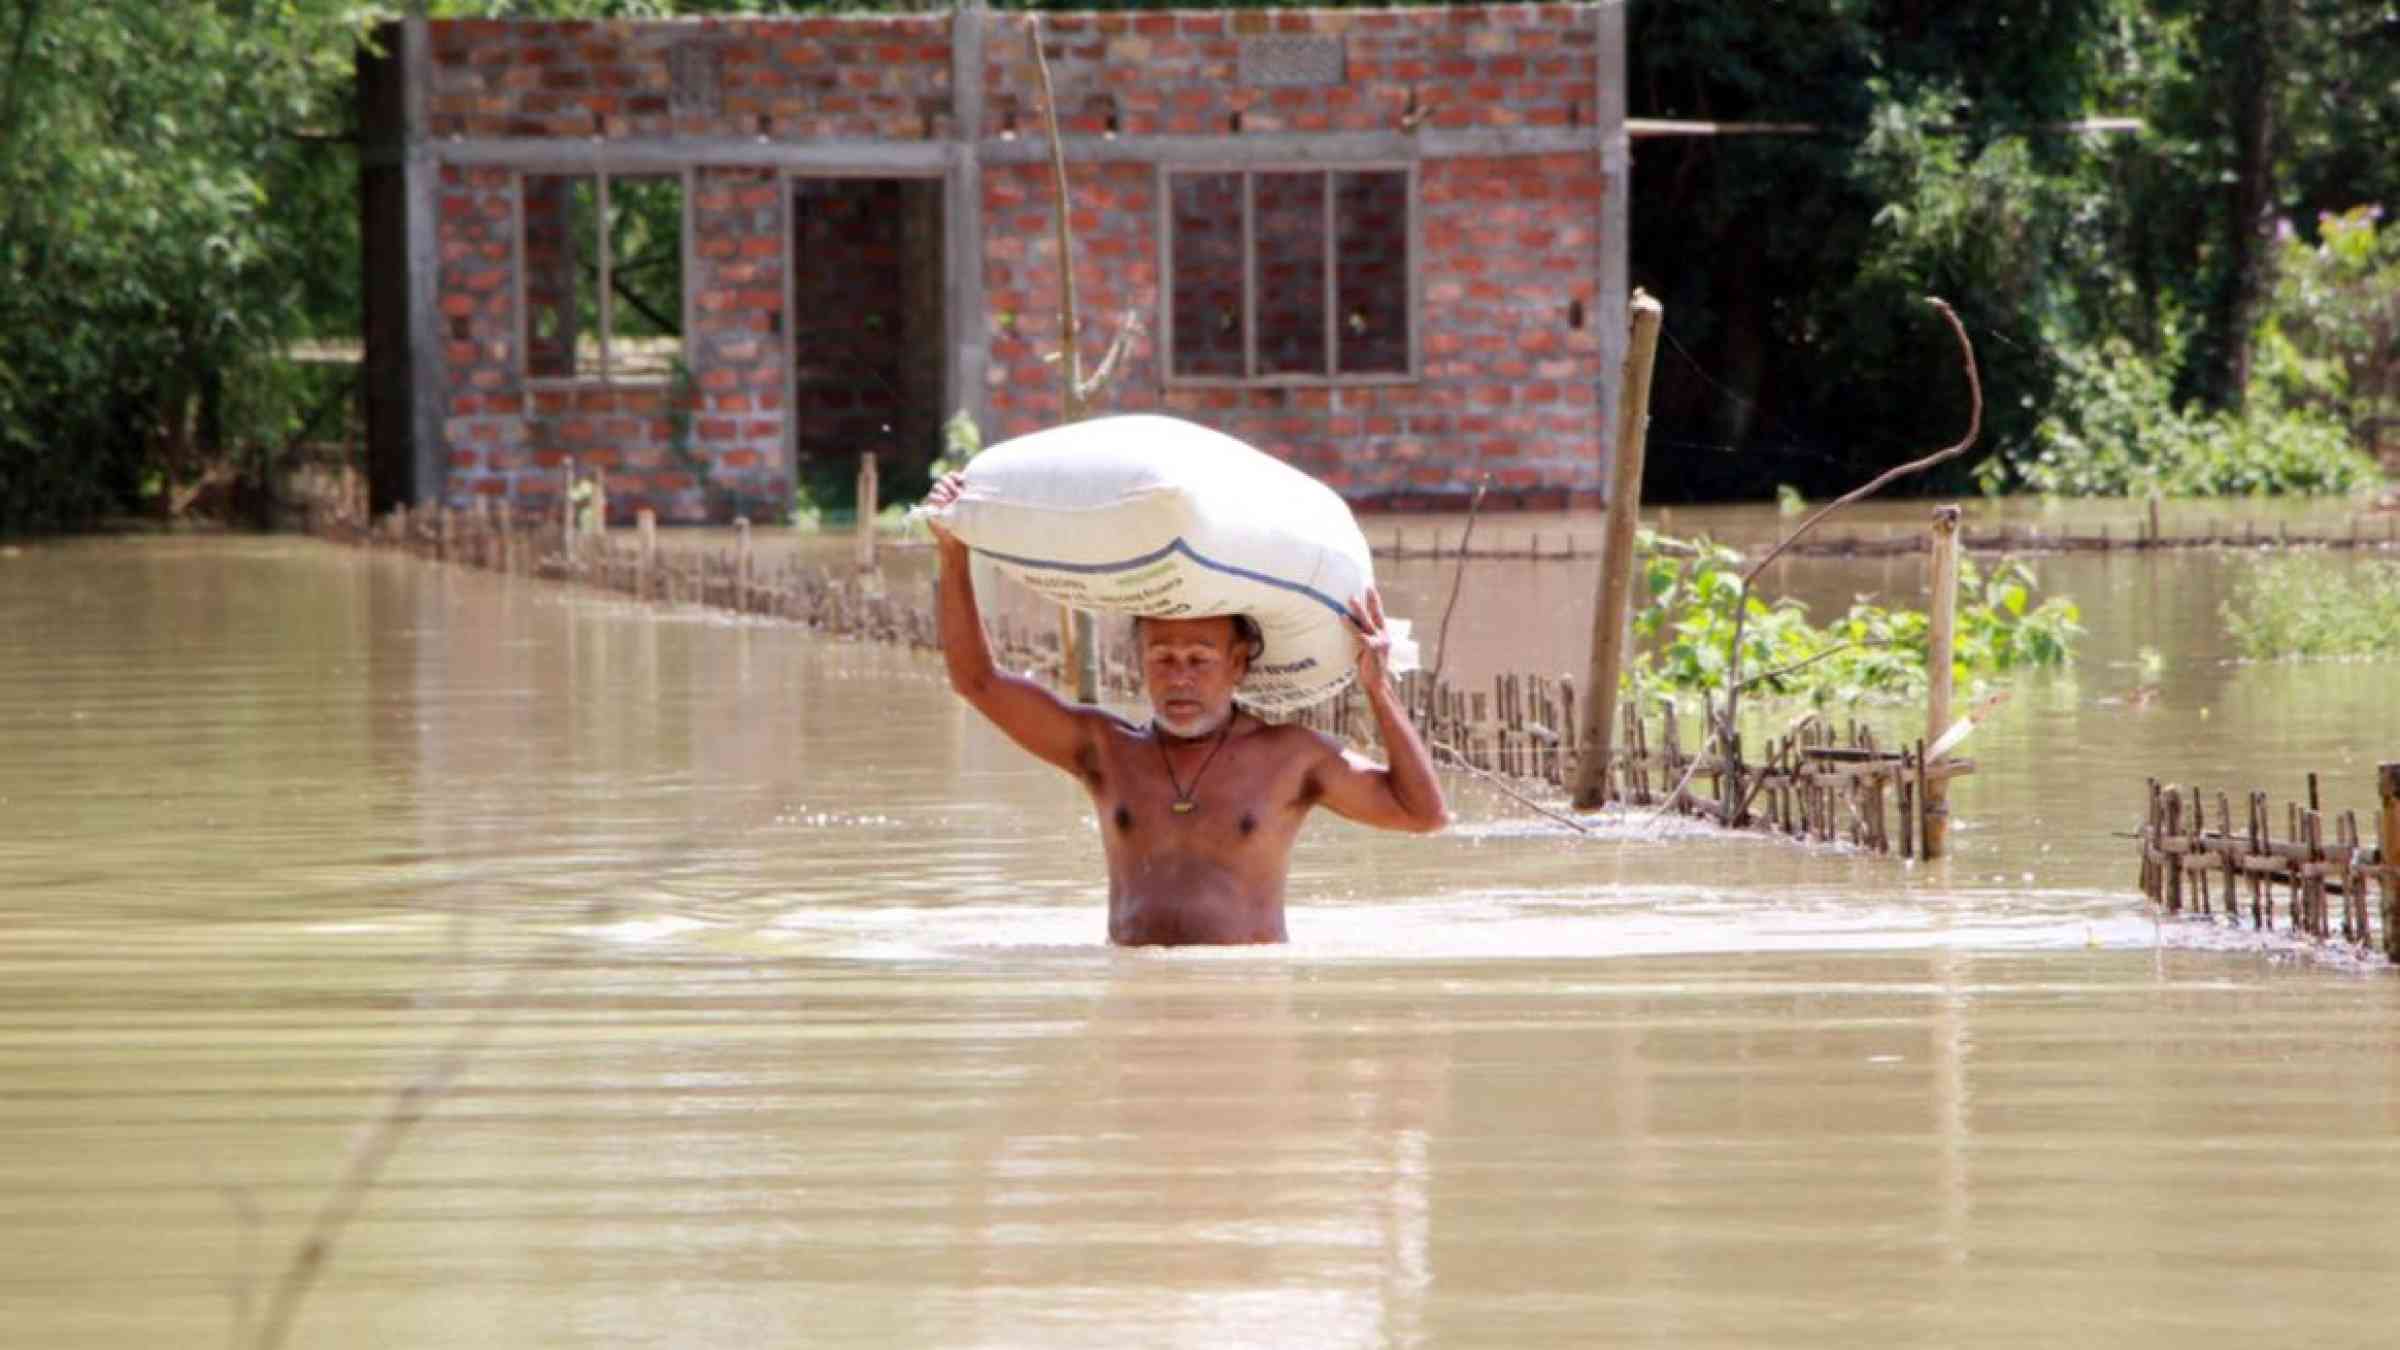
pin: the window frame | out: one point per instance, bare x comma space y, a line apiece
605, 377
1332, 378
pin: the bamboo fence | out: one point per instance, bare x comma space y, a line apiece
1810, 784
2366, 532
2328, 884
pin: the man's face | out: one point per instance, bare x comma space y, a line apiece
1190, 667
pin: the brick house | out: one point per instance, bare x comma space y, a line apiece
716, 257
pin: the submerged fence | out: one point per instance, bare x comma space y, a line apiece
2189, 868
2364, 531
1813, 782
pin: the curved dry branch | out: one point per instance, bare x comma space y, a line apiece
1966, 350
1741, 603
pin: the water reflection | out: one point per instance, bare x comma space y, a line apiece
807, 1029
1198, 1147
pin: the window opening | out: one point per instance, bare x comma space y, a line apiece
602, 260
1283, 275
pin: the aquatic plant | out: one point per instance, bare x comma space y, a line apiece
1870, 653
2303, 605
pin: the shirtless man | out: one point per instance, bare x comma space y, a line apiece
1198, 809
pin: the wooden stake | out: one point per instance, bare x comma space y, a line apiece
1942, 625
2387, 788
867, 507
1609, 616
646, 524
741, 564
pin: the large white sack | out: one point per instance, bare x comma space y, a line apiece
1150, 515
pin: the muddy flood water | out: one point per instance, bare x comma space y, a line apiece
792, 1023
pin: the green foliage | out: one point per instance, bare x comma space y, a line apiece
808, 516
1791, 264
2332, 337
2302, 605
178, 203
962, 440
162, 173
1871, 653
1793, 267
2116, 430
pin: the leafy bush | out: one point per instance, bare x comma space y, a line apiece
2300, 606
2338, 301
2118, 431
164, 236
962, 440
1871, 653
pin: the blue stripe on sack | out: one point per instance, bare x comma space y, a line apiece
1177, 546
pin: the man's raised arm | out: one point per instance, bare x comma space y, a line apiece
1407, 795
1032, 716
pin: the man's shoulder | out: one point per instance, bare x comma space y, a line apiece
1293, 740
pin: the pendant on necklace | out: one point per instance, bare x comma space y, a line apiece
1184, 806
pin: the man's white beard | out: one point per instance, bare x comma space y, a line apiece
1205, 724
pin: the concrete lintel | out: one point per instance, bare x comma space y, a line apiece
922, 159
1300, 147
866, 157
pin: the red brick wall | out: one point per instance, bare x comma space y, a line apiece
1116, 268
1178, 72
1510, 253
737, 284
708, 449
484, 431
857, 75
1506, 382
1509, 381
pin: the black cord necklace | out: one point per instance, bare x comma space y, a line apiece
1183, 804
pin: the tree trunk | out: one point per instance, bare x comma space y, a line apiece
2256, 37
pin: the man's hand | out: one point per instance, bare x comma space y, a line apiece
942, 494
1405, 796
1373, 639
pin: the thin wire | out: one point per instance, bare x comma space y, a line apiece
1794, 446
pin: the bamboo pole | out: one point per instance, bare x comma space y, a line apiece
1616, 556
566, 509
1079, 652
1943, 622
741, 564
2387, 787
867, 507
646, 525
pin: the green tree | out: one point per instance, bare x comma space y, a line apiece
152, 263
1792, 265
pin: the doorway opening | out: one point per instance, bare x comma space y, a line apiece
869, 347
